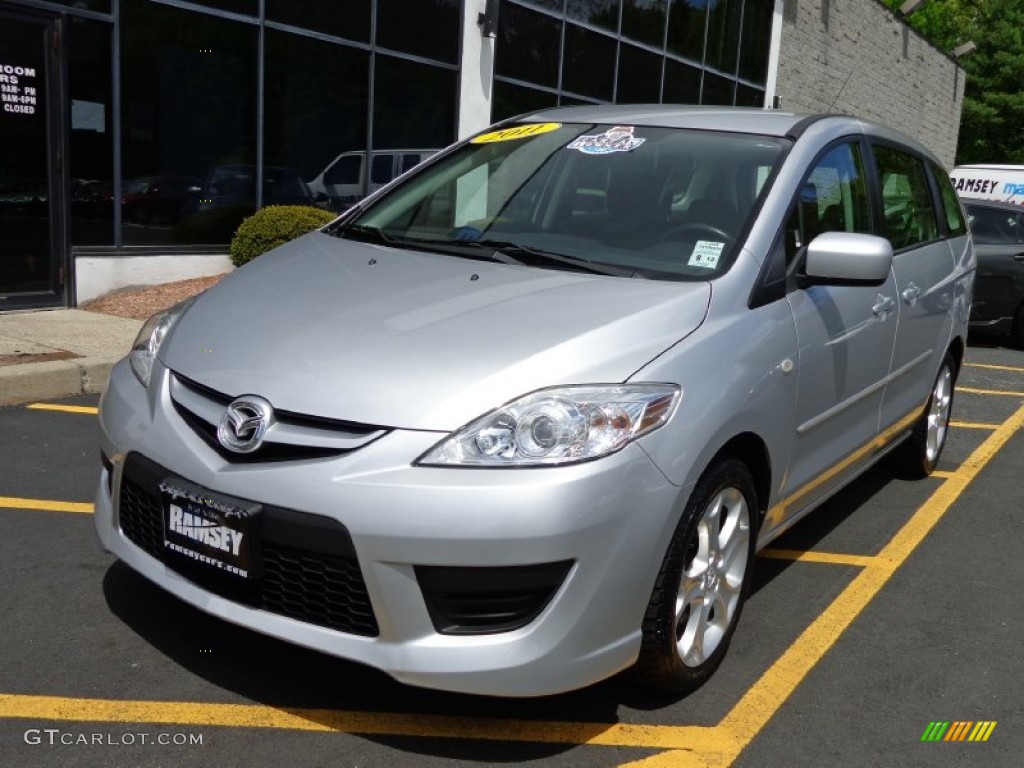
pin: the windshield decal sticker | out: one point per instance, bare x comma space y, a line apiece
617, 139
516, 132
705, 254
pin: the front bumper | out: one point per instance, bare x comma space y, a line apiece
609, 520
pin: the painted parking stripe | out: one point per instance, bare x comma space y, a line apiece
1013, 368
760, 703
12, 502
974, 391
972, 425
65, 408
832, 558
372, 723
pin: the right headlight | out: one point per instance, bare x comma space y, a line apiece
556, 426
151, 336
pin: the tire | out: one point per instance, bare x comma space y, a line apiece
920, 453
703, 581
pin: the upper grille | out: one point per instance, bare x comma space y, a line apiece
310, 571
291, 436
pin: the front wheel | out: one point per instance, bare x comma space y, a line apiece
919, 454
704, 578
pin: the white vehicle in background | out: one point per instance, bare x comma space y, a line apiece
990, 182
344, 180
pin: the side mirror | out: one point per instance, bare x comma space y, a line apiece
848, 258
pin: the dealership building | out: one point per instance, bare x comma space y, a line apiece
136, 134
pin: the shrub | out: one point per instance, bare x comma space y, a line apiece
273, 226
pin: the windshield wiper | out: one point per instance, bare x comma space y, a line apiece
366, 234
525, 254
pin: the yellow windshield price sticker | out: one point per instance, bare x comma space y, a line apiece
516, 132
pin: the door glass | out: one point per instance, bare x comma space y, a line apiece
26, 248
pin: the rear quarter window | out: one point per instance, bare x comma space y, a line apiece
910, 217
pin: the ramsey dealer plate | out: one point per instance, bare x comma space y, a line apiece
219, 531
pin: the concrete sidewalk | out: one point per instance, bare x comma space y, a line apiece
55, 353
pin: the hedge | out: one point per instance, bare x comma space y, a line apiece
273, 226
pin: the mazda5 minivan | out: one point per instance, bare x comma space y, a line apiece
522, 419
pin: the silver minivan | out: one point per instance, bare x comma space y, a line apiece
521, 420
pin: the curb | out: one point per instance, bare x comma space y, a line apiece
57, 378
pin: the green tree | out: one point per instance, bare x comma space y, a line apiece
992, 124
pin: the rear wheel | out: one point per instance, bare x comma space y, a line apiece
704, 578
919, 455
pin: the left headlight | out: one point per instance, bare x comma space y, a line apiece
151, 336
560, 425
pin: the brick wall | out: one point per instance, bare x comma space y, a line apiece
855, 56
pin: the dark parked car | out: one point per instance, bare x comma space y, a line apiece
998, 231
157, 200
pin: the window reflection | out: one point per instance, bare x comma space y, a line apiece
589, 65
425, 27
687, 20
90, 143
600, 13
644, 20
349, 19
527, 46
188, 125
723, 36
639, 76
510, 100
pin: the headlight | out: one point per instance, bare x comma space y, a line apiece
151, 336
558, 426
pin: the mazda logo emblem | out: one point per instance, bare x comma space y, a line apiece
244, 424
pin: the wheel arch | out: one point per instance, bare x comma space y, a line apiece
750, 449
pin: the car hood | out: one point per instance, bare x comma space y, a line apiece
409, 339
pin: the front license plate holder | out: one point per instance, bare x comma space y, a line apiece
219, 532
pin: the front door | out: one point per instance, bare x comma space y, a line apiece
31, 224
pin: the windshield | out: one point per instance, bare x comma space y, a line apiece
657, 202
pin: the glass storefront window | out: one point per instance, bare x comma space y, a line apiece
600, 13
749, 97
315, 108
686, 24
349, 19
682, 83
526, 46
639, 76
90, 143
723, 35
100, 6
428, 28
247, 7
188, 125
414, 105
589, 64
717, 89
644, 21
755, 40
510, 100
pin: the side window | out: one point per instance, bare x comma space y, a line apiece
950, 203
994, 226
345, 171
382, 169
907, 203
409, 161
833, 198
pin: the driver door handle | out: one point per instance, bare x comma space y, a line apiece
883, 305
910, 294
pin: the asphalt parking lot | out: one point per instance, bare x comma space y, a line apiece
894, 607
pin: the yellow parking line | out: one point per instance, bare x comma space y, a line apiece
66, 408
972, 425
805, 556
11, 502
1015, 368
52, 708
942, 473
973, 391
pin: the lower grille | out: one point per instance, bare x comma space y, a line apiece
310, 571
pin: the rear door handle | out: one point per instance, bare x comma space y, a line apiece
910, 294
1018, 257
883, 305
